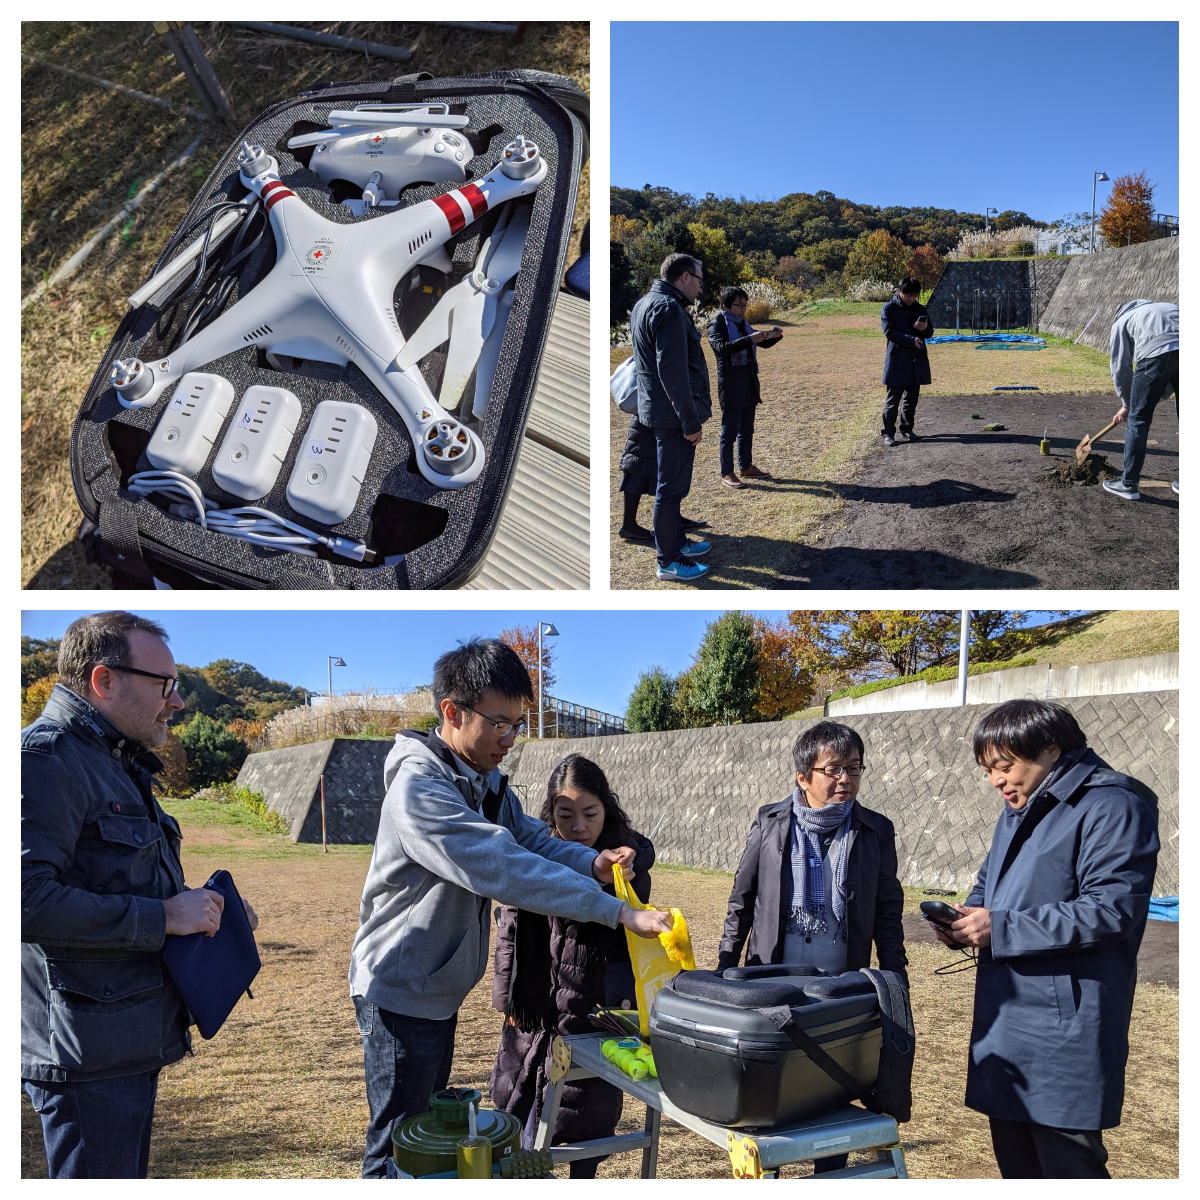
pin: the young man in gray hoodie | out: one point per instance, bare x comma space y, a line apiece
452, 838
1145, 333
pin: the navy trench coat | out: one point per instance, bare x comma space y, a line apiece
1068, 883
903, 364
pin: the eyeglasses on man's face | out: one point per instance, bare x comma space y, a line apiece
169, 682
853, 771
501, 727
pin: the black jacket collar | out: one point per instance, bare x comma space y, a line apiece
72, 712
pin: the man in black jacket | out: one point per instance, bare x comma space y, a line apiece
906, 325
673, 400
101, 890
735, 346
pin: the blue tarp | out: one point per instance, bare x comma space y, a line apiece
1164, 908
986, 337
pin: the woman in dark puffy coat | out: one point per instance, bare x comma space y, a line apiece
550, 972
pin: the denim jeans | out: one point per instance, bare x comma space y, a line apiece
675, 458
97, 1129
1150, 383
737, 424
405, 1059
907, 410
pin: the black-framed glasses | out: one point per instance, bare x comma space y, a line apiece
169, 682
836, 772
502, 728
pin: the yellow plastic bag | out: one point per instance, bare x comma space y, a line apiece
655, 960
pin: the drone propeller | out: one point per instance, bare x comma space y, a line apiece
466, 313
489, 356
351, 122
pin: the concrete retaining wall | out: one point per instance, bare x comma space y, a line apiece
1151, 673
290, 779
1106, 280
706, 784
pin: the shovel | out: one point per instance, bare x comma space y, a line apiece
1085, 447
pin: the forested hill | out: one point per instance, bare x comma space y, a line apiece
810, 226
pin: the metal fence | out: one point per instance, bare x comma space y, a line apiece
986, 309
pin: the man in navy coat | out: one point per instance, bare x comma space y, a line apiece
1057, 915
906, 325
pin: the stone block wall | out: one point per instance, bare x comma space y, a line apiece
1096, 285
989, 275
701, 787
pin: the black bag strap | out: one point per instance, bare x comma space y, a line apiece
784, 1019
403, 89
119, 528
894, 1009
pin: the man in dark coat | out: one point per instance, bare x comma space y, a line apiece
674, 401
906, 325
817, 883
1057, 915
735, 346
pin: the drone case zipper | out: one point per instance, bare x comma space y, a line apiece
422, 535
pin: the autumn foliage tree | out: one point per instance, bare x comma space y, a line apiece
926, 265
524, 640
1128, 214
876, 255
785, 674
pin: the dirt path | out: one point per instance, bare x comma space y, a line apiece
965, 508
278, 1093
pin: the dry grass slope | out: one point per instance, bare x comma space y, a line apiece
85, 151
279, 1093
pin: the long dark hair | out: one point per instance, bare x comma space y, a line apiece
578, 772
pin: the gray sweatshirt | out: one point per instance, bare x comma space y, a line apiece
424, 922
1141, 329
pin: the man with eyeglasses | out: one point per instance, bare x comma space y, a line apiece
452, 838
673, 401
101, 889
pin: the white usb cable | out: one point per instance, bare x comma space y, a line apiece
247, 524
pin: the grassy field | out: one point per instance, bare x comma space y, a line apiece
85, 151
279, 1092
820, 415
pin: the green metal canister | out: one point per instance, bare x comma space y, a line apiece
428, 1144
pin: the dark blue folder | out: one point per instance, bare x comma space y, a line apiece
211, 973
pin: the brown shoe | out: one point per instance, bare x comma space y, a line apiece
732, 481
755, 473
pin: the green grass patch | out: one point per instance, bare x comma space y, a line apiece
933, 675
661, 868
835, 308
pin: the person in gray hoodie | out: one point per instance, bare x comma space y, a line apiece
452, 838
1144, 360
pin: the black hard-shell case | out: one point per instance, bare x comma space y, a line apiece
431, 537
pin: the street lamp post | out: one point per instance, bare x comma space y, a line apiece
548, 630
331, 661
986, 213
964, 640
1097, 177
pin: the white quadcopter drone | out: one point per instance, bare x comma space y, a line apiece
384, 148
329, 298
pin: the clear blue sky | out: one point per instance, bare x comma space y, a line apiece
598, 655
1012, 115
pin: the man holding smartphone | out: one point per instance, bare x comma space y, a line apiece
1056, 918
906, 325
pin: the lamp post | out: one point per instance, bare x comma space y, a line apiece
331, 661
1097, 177
964, 639
987, 213
547, 630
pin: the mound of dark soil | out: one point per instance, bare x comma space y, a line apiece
1069, 473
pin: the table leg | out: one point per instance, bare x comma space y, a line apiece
650, 1152
560, 1064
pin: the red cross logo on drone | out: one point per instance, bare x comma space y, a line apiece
376, 139
317, 253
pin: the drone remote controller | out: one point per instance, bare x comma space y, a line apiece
329, 296
257, 442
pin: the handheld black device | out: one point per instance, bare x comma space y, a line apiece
939, 912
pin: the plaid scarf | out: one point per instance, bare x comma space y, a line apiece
810, 907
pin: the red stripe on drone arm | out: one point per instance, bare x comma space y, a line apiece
475, 198
451, 211
273, 192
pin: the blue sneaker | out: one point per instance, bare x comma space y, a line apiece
695, 549
683, 572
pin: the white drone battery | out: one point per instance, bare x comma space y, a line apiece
333, 461
253, 451
189, 426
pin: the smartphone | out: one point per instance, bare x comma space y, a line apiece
939, 912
